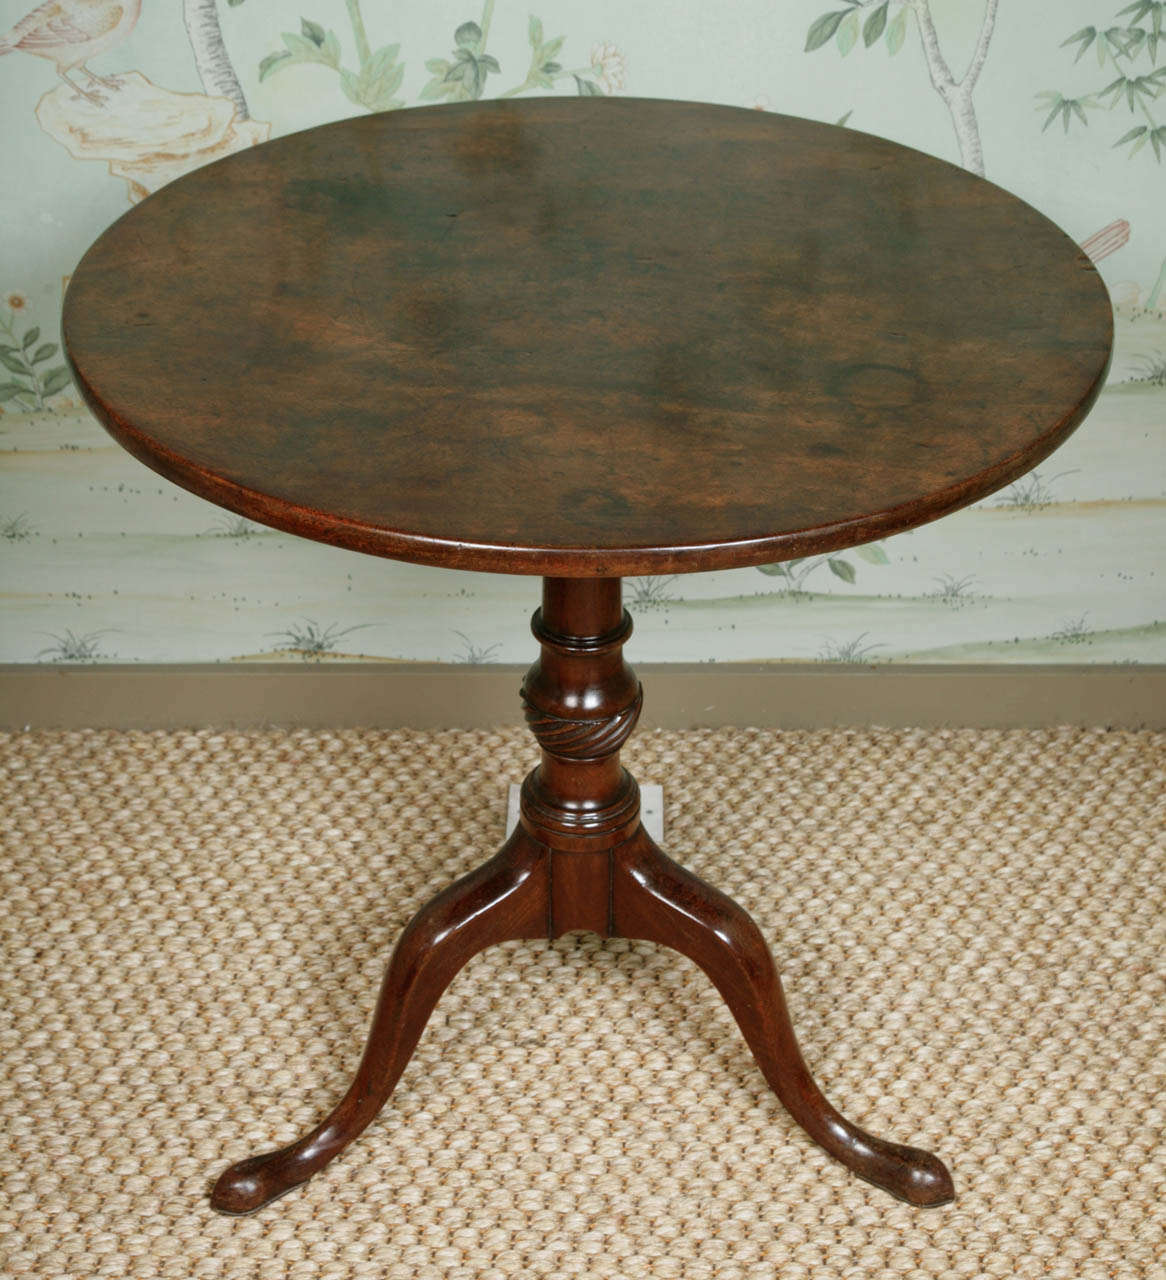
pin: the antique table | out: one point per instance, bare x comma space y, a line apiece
586, 339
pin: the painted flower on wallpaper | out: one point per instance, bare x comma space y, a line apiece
610, 66
70, 32
888, 21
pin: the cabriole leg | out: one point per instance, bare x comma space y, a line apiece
504, 898
658, 900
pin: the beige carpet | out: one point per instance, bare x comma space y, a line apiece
971, 927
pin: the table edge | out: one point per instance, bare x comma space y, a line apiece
585, 561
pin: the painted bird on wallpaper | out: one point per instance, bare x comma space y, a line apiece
70, 32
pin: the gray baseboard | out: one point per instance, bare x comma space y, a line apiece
678, 695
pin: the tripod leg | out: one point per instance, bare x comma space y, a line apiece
658, 900
502, 899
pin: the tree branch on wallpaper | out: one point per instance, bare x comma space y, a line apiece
211, 58
844, 26
1119, 48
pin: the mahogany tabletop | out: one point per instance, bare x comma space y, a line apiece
587, 337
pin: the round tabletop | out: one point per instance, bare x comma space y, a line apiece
587, 337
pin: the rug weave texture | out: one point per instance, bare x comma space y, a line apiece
971, 927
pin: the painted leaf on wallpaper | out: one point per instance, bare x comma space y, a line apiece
73, 648
543, 70
824, 28
649, 592
1108, 42
473, 653
897, 31
794, 573
1136, 87
268, 64
1141, 135
56, 380
373, 84
468, 36
32, 386
306, 639
465, 77
470, 71
875, 25
956, 95
309, 48
377, 83
848, 29
1065, 107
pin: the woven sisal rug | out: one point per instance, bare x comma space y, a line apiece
970, 925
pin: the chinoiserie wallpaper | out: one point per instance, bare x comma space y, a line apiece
106, 100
